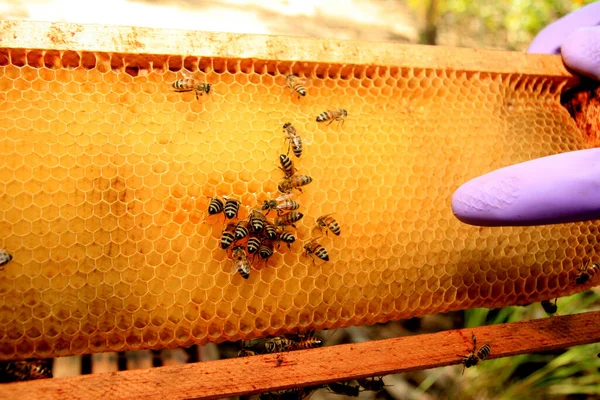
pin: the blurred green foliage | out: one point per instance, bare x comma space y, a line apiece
510, 24
569, 373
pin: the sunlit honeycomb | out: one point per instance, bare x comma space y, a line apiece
106, 174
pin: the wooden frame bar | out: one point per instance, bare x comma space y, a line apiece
250, 375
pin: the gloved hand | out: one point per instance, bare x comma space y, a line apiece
556, 189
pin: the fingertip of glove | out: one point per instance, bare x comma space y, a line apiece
581, 51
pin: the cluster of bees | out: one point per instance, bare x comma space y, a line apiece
584, 274
258, 234
14, 371
303, 341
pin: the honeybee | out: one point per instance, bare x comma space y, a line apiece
313, 247
253, 244
307, 341
586, 273
228, 236
215, 206
232, 207
345, 388
327, 221
257, 220
278, 344
549, 307
294, 138
187, 84
5, 257
289, 219
11, 371
286, 237
280, 204
240, 262
270, 231
265, 250
288, 394
241, 230
473, 358
246, 353
296, 84
287, 166
286, 185
338, 114
374, 384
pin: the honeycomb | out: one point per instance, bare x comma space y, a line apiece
106, 174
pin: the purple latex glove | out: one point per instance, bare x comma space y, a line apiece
556, 189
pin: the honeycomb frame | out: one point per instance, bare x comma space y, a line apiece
106, 176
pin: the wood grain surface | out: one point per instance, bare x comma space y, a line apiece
250, 375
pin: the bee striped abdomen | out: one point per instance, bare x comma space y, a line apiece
328, 222
265, 251
315, 248
339, 114
228, 236
287, 238
287, 166
241, 230
278, 344
257, 221
289, 219
308, 343
484, 351
270, 231
215, 206
241, 262
296, 84
184, 84
253, 244
232, 208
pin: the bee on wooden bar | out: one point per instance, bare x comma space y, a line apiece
288, 394
215, 206
246, 353
285, 237
307, 341
289, 219
5, 257
13, 371
586, 273
549, 307
253, 244
241, 230
240, 262
228, 235
188, 84
265, 250
278, 344
338, 114
257, 220
473, 358
286, 185
280, 204
313, 247
232, 207
327, 222
294, 138
270, 231
287, 166
344, 388
374, 384
296, 84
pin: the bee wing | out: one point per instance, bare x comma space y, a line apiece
186, 74
286, 196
